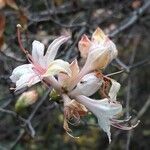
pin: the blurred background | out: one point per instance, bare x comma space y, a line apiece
127, 22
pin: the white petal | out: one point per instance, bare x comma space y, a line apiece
38, 52
53, 48
56, 67
21, 70
88, 85
97, 59
104, 105
103, 109
113, 50
65, 80
27, 80
114, 89
99, 36
104, 123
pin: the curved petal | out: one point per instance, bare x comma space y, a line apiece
104, 123
66, 80
53, 48
27, 80
99, 36
21, 70
88, 85
103, 109
84, 45
56, 67
114, 89
113, 49
97, 59
38, 52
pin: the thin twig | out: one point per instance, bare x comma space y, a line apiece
131, 19
28, 121
22, 131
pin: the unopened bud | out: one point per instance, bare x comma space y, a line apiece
26, 99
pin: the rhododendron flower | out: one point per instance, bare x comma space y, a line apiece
103, 109
87, 86
75, 85
41, 65
99, 51
106, 112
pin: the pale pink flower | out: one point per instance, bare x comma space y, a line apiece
99, 51
106, 112
41, 65
87, 86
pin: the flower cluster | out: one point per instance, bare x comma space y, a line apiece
75, 85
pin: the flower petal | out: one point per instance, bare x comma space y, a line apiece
88, 85
53, 48
104, 123
56, 67
27, 80
66, 80
84, 45
113, 50
103, 109
114, 89
97, 59
21, 70
38, 52
99, 36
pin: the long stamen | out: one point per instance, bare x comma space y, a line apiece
120, 121
122, 127
29, 57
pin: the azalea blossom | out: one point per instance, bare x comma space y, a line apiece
99, 51
74, 85
41, 66
106, 113
87, 86
106, 110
